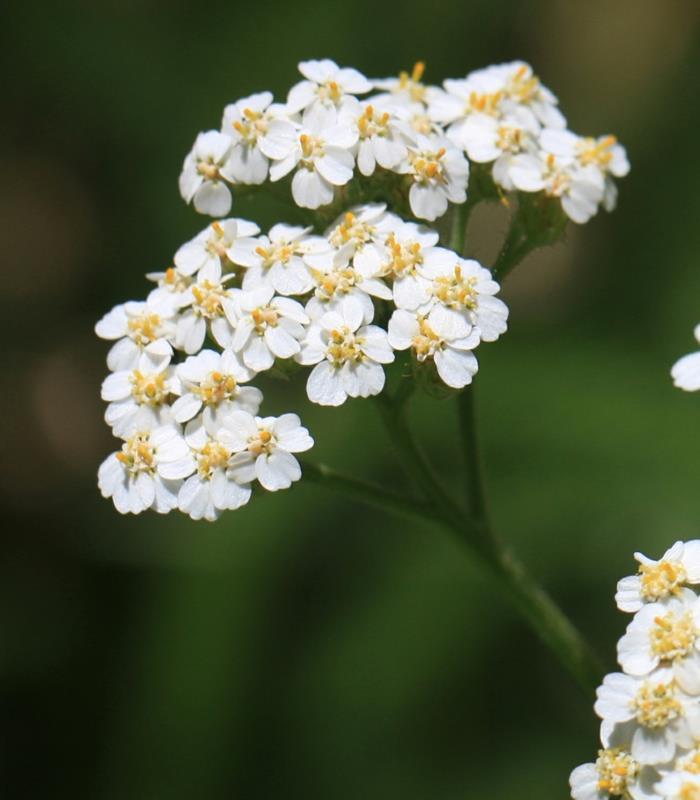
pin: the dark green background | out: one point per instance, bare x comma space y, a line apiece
307, 646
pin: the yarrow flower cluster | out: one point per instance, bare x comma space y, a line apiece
341, 299
650, 711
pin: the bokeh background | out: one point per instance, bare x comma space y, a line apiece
308, 646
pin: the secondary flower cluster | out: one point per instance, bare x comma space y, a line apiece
650, 731
686, 371
263, 300
502, 115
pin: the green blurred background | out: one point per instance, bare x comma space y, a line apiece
307, 646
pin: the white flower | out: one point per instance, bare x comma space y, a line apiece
348, 356
325, 89
321, 153
204, 304
430, 338
343, 281
440, 173
686, 371
380, 139
211, 489
201, 178
679, 786
212, 245
172, 289
359, 236
148, 471
266, 326
282, 259
522, 86
408, 250
614, 774
247, 121
580, 189
461, 297
138, 327
212, 380
662, 579
141, 393
263, 448
652, 712
406, 89
666, 634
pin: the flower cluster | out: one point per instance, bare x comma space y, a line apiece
340, 299
426, 136
686, 371
650, 731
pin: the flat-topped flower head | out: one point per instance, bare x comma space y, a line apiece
686, 371
138, 327
348, 356
326, 89
210, 489
141, 393
211, 246
615, 774
201, 179
263, 448
148, 470
246, 121
660, 580
204, 309
282, 259
430, 338
266, 326
439, 174
320, 153
580, 189
652, 712
211, 382
665, 634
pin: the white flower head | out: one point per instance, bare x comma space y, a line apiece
148, 471
138, 327
430, 338
263, 448
651, 712
201, 180
461, 297
439, 173
679, 786
326, 89
212, 381
246, 121
320, 153
213, 245
348, 356
266, 326
204, 307
139, 394
665, 634
660, 580
406, 88
686, 371
381, 137
615, 774
282, 259
211, 489
172, 289
359, 236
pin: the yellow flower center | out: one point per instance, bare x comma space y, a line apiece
405, 258
661, 580
456, 291
344, 346
264, 442
373, 124
137, 454
484, 103
426, 341
216, 388
208, 170
144, 328
336, 282
352, 230
252, 126
691, 763
148, 389
523, 87
174, 282
689, 791
311, 147
276, 252
330, 91
597, 152
208, 298
264, 317
616, 769
428, 166
211, 457
411, 82
510, 139
655, 705
218, 244
673, 636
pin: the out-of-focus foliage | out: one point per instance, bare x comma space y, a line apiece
306, 646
